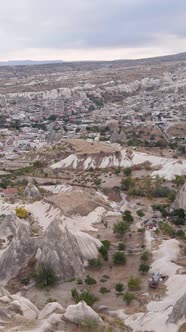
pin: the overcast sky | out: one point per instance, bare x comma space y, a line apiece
91, 29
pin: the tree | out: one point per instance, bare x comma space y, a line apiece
119, 258
128, 298
119, 287
140, 213
144, 268
45, 276
127, 216
134, 283
121, 228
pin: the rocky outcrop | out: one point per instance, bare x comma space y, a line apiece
20, 314
80, 313
32, 192
18, 247
180, 201
117, 137
60, 250
179, 311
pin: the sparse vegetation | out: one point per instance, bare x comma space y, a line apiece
89, 298
94, 263
90, 281
134, 283
121, 228
45, 276
128, 298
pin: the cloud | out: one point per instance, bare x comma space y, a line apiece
90, 25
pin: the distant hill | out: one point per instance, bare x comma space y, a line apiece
98, 64
28, 62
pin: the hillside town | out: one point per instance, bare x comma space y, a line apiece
150, 106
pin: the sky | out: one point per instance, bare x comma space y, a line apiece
73, 30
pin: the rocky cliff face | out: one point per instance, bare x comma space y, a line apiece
179, 311
60, 250
58, 247
180, 201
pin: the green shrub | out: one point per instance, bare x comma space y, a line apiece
119, 258
121, 246
45, 276
128, 298
127, 216
79, 281
119, 287
180, 234
121, 228
167, 229
127, 171
89, 298
134, 283
104, 290
104, 252
171, 196
145, 256
90, 281
140, 213
94, 262
144, 268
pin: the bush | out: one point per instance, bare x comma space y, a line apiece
180, 234
145, 256
144, 268
104, 290
167, 229
90, 281
134, 283
119, 258
127, 171
21, 213
45, 276
79, 281
140, 213
104, 252
89, 298
94, 262
121, 246
127, 183
171, 196
128, 298
119, 287
127, 216
106, 244
121, 228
